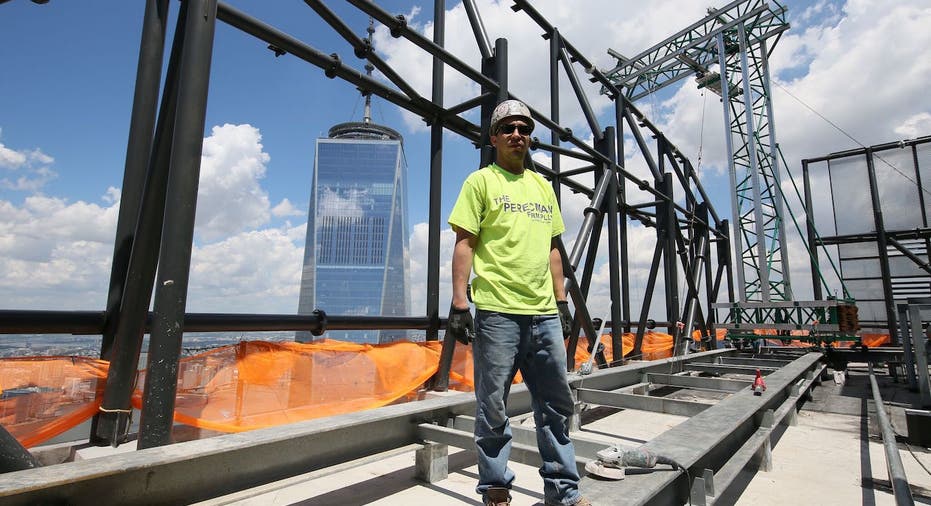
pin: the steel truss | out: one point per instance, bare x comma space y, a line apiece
155, 225
714, 444
735, 39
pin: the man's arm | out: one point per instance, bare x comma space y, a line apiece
559, 281
462, 266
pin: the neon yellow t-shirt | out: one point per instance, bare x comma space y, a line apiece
514, 217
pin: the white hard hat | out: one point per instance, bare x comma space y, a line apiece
508, 109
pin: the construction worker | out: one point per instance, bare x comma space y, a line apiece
507, 222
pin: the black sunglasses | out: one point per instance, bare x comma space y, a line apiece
510, 127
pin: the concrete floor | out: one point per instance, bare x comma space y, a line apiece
832, 457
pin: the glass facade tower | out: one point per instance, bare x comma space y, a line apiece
355, 255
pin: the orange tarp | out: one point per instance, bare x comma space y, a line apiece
250, 385
656, 345
45, 396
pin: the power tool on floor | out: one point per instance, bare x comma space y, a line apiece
614, 460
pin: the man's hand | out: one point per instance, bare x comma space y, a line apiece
565, 317
461, 325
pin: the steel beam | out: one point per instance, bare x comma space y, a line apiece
729, 369
698, 382
704, 441
642, 402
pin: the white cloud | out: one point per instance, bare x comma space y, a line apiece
230, 198
251, 272
286, 208
418, 254
56, 254
915, 125
10, 159
29, 171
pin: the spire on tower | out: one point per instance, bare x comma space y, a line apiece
367, 114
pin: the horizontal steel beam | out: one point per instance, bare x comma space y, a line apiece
754, 362
699, 382
704, 441
729, 369
642, 402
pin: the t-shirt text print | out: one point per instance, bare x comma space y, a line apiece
534, 210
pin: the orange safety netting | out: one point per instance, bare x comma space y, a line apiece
45, 396
869, 340
250, 385
656, 345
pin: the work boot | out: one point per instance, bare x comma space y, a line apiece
497, 496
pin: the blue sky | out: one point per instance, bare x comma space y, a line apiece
66, 87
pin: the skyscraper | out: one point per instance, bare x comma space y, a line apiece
355, 255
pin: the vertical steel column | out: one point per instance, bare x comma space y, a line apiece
138, 150
731, 168
907, 350
501, 69
617, 334
710, 296
112, 422
441, 384
920, 348
619, 106
175, 254
777, 176
667, 216
555, 46
812, 235
752, 153
881, 243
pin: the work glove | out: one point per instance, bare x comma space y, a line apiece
565, 317
461, 325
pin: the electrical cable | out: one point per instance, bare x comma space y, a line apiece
851, 137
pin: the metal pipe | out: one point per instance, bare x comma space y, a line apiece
478, 28
398, 26
647, 298
614, 269
619, 107
906, 341
361, 47
13, 455
555, 41
591, 212
666, 235
812, 235
441, 380
333, 67
158, 398
644, 149
580, 95
138, 149
112, 422
881, 243
695, 284
894, 468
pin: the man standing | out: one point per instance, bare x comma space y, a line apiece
507, 222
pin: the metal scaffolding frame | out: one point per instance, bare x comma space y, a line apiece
156, 220
734, 38
909, 244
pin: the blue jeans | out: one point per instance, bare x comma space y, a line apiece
504, 344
